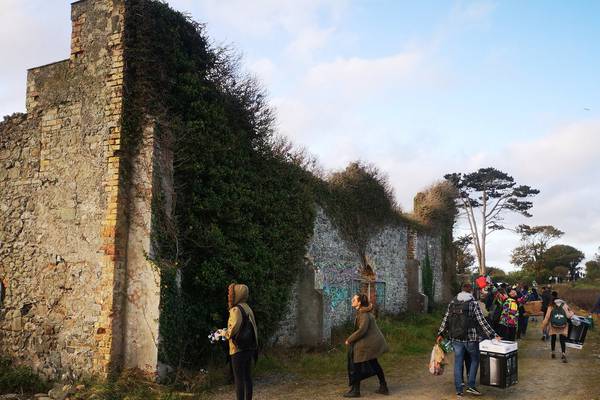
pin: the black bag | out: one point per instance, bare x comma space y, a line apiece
358, 371
245, 338
459, 320
495, 312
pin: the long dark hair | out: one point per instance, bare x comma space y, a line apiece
363, 299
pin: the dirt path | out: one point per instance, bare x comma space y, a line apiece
540, 377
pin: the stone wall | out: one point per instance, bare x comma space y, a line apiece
64, 225
333, 274
78, 212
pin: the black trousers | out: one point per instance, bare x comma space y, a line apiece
508, 332
563, 340
241, 363
378, 370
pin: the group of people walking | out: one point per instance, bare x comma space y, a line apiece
465, 324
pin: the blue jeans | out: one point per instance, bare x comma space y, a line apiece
459, 356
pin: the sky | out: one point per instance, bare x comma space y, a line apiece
419, 89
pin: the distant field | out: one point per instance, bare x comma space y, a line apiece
582, 296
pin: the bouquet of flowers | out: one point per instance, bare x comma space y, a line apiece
217, 335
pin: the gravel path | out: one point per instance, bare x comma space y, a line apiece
540, 378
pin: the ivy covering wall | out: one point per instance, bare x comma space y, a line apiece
243, 207
242, 212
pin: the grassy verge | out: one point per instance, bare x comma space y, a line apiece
407, 335
582, 295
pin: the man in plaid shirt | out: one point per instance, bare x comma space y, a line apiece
466, 342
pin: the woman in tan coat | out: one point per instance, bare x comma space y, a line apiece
366, 345
556, 320
242, 335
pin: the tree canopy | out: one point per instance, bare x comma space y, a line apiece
565, 256
494, 193
534, 244
464, 256
592, 269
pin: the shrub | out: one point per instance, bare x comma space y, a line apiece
19, 379
361, 203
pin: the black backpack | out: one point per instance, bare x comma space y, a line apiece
245, 338
459, 320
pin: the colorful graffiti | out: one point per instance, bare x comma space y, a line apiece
337, 294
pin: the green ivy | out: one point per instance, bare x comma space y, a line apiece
242, 211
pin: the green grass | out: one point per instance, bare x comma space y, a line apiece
407, 335
19, 379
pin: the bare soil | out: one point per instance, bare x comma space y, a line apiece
540, 378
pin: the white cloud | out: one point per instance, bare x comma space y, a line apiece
568, 152
307, 41
264, 69
32, 33
355, 75
562, 165
262, 17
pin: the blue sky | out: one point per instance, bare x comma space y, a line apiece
418, 88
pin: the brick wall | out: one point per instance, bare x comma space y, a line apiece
65, 221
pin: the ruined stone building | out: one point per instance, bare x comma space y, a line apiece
76, 221
80, 296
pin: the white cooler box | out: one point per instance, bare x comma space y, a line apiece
498, 363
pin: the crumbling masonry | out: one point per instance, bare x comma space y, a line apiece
79, 295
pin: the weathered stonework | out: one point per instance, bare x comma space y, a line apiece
78, 212
333, 272
74, 230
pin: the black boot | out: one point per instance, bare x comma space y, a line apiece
354, 391
383, 389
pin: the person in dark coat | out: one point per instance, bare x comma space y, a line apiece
366, 345
596, 308
546, 300
468, 340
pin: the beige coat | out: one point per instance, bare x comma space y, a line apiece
239, 297
368, 340
552, 330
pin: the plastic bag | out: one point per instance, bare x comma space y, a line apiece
436, 362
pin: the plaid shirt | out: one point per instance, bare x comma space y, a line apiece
474, 332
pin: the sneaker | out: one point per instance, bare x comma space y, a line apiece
563, 358
459, 394
553, 355
473, 391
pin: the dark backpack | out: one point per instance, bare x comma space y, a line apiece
495, 312
558, 318
245, 338
459, 320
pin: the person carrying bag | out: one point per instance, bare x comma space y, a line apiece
365, 345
